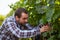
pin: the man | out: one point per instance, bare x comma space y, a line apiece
11, 27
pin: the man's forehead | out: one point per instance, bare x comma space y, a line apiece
24, 15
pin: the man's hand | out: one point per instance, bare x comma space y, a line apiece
45, 28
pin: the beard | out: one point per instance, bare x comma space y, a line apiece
22, 26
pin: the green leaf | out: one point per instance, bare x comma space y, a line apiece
49, 14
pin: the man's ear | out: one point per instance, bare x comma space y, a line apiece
16, 18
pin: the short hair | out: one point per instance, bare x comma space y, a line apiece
19, 11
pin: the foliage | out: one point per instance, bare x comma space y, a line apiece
1, 19
41, 12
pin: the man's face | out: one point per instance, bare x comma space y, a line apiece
23, 19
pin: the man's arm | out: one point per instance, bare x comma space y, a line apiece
11, 26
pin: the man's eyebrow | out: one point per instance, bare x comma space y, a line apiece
24, 18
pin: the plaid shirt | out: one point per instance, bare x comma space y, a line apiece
10, 31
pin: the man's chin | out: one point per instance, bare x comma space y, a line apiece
22, 23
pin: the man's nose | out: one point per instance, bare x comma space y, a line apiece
26, 21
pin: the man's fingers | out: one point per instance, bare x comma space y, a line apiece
45, 29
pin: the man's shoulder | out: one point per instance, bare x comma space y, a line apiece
10, 19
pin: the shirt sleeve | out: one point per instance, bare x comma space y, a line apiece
11, 26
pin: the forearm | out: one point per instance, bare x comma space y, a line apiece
22, 33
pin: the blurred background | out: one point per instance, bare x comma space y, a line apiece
40, 11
